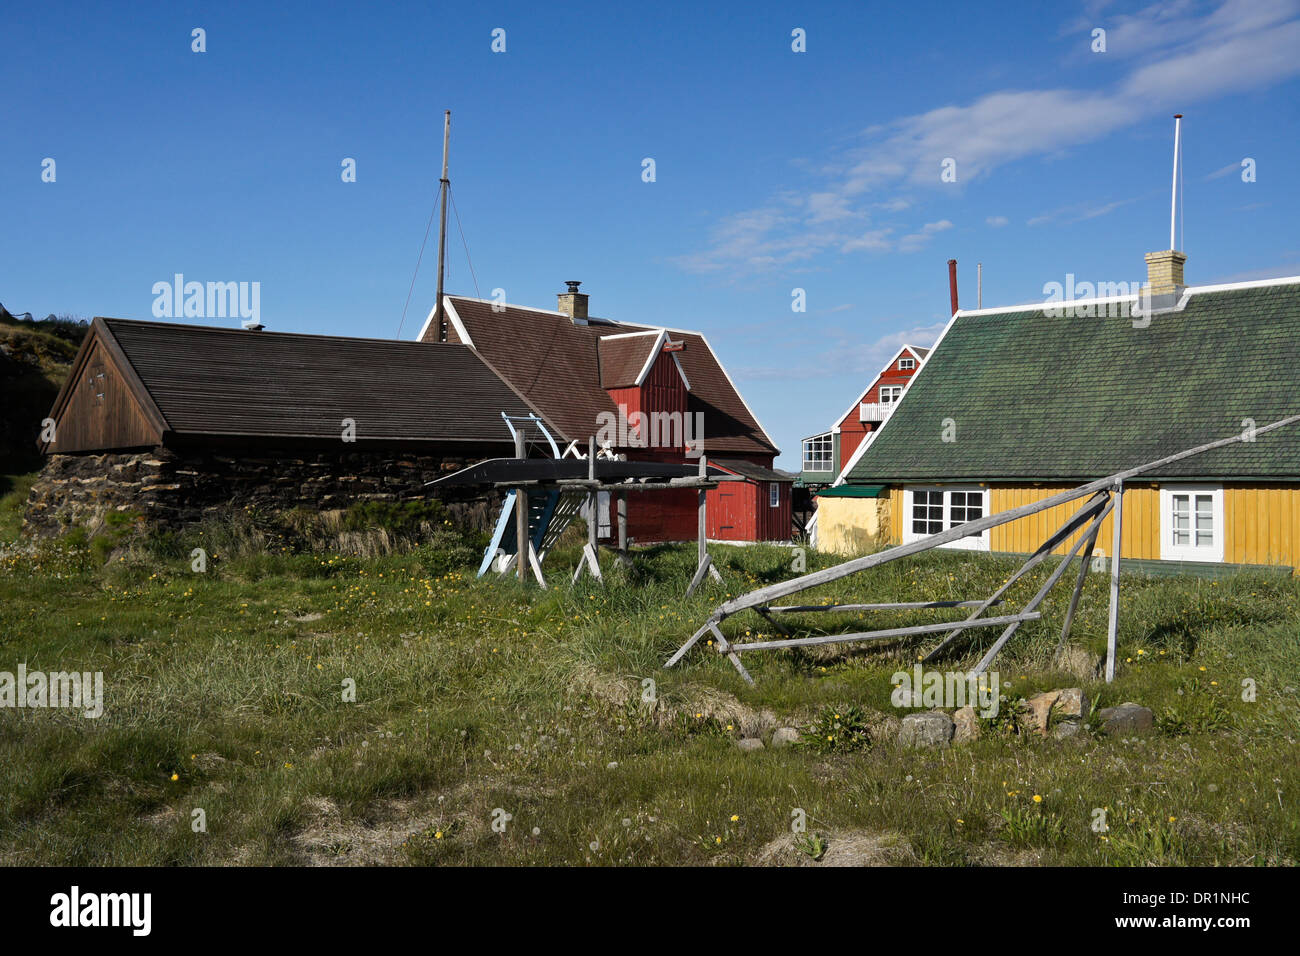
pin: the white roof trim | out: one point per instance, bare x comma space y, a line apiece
681, 371
920, 360
452, 316
1188, 291
652, 330
655, 349
419, 336
456, 322
867, 442
1252, 284
628, 335
725, 374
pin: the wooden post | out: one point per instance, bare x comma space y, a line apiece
1078, 591
622, 530
591, 551
1112, 627
521, 518
704, 520
593, 497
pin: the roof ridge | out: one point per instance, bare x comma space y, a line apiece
273, 334
1188, 291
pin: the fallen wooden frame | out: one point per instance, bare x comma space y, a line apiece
1105, 495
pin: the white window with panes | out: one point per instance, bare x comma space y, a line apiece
928, 510
890, 394
904, 364
819, 453
1191, 523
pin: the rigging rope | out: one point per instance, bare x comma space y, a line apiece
468, 261
418, 260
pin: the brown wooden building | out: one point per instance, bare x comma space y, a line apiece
179, 421
585, 372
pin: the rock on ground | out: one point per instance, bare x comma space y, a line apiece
784, 736
1038, 711
966, 725
1127, 718
931, 729
1073, 703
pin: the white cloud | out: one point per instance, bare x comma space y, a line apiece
913, 242
1230, 168
1176, 56
848, 356
852, 355
997, 222
874, 240
1080, 212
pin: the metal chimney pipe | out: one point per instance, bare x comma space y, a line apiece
952, 284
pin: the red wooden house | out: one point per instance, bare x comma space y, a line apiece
650, 393
826, 455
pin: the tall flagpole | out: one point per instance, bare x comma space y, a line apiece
1173, 201
442, 228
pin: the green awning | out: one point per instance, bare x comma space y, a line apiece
855, 491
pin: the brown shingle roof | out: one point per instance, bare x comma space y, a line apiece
555, 363
750, 470
623, 356
233, 382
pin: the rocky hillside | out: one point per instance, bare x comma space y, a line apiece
35, 358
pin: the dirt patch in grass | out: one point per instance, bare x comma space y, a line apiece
693, 703
838, 848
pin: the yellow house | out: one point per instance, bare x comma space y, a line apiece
1016, 404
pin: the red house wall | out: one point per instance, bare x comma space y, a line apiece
737, 511
854, 432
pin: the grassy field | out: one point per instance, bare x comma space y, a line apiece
484, 702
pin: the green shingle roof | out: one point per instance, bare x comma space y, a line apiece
855, 491
1034, 397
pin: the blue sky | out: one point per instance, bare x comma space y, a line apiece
775, 170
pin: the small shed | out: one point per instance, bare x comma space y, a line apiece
181, 421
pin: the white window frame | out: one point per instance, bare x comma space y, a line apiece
906, 364
774, 494
829, 439
895, 392
978, 542
1169, 551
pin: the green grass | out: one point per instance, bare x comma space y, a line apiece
35, 359
478, 699
13, 499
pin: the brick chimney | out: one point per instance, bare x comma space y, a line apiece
573, 303
1165, 272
